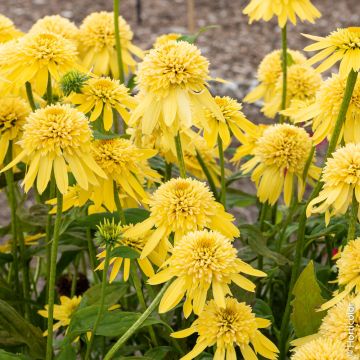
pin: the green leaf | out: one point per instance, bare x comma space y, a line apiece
36, 215
236, 197
125, 252
159, 352
257, 243
15, 330
66, 353
4, 355
113, 323
193, 38
5, 258
262, 309
113, 292
307, 298
108, 136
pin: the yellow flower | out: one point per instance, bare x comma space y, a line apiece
348, 276
78, 197
335, 325
248, 139
34, 55
98, 47
58, 25
125, 164
234, 121
303, 82
180, 206
341, 45
8, 30
13, 112
284, 10
280, 154
328, 349
163, 39
101, 96
341, 178
62, 312
173, 88
268, 74
136, 244
226, 327
325, 109
29, 241
200, 260
55, 138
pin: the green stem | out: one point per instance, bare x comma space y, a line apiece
49, 94
284, 331
168, 171
117, 40
48, 235
207, 174
102, 302
52, 275
140, 296
30, 96
353, 219
92, 255
118, 204
262, 218
284, 71
120, 342
180, 156
222, 172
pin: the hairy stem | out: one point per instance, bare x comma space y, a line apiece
30, 96
180, 156
222, 172
141, 298
102, 302
284, 71
49, 94
117, 40
52, 275
120, 342
207, 174
118, 205
353, 219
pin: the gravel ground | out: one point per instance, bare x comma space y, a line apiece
234, 48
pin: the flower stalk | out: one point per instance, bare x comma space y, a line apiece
118, 41
353, 219
284, 71
207, 174
102, 302
284, 331
119, 208
133, 328
141, 298
222, 172
180, 156
30, 96
52, 275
